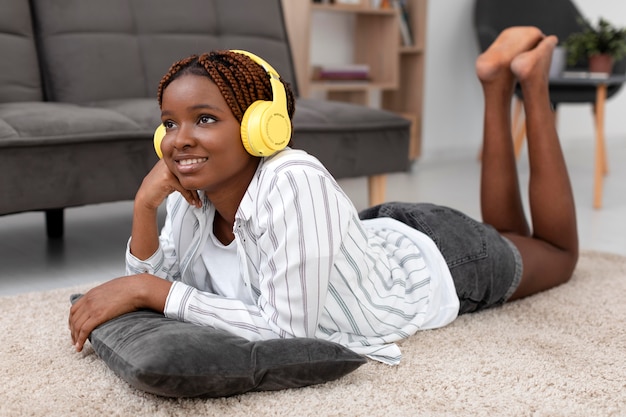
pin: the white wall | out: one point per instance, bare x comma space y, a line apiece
453, 99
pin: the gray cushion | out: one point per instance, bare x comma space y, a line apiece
68, 155
19, 67
62, 123
103, 50
176, 359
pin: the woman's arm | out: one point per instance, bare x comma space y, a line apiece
154, 189
133, 292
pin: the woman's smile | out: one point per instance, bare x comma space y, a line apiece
190, 165
191, 161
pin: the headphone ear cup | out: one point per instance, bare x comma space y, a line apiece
159, 134
265, 128
251, 135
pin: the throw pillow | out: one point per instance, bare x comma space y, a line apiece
175, 359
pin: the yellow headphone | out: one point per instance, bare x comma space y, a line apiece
265, 127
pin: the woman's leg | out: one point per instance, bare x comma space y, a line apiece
550, 251
501, 202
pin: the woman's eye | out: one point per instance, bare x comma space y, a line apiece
168, 124
204, 119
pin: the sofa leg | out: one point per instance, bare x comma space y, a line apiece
54, 223
376, 186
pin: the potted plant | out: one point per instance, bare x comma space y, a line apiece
600, 45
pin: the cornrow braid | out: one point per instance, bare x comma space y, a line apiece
171, 74
240, 80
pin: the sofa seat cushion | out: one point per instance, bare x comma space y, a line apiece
352, 140
36, 123
67, 155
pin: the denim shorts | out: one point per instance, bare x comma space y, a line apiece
485, 266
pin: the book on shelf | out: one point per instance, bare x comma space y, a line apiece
404, 22
347, 72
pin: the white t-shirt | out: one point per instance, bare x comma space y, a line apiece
223, 268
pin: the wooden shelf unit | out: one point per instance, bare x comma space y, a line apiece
396, 71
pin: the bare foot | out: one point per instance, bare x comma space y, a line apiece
534, 65
496, 60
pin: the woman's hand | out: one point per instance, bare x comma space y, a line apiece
112, 299
158, 184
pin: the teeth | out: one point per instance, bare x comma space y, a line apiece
192, 161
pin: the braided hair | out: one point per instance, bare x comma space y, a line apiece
240, 80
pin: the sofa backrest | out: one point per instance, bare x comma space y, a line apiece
19, 68
95, 50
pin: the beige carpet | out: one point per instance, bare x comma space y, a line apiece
559, 353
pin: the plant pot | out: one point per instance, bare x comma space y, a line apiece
601, 63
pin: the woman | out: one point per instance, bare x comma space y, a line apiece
270, 246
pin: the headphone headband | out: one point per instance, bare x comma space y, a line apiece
267, 67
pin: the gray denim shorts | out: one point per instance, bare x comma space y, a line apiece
485, 266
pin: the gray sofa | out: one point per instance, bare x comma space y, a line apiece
78, 108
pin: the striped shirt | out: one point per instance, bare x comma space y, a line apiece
312, 267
